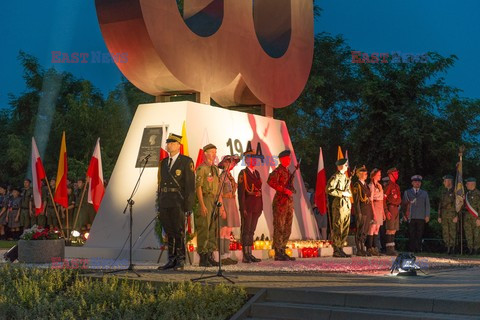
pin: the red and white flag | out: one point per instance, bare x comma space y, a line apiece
38, 174
163, 148
320, 192
96, 188
201, 153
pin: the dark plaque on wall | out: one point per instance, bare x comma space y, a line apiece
150, 145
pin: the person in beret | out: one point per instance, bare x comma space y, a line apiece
250, 202
447, 214
232, 219
207, 184
175, 199
13, 217
416, 206
363, 210
338, 186
377, 196
282, 206
392, 202
471, 216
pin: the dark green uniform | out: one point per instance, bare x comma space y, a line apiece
25, 218
282, 208
86, 210
341, 207
50, 211
41, 218
472, 231
447, 212
207, 177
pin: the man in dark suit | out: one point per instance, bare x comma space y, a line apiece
176, 196
251, 203
417, 212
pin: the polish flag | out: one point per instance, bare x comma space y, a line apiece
163, 148
201, 153
320, 190
38, 174
184, 143
96, 188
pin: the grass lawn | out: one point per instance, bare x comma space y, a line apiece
34, 293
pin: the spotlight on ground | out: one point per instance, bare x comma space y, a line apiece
404, 265
75, 234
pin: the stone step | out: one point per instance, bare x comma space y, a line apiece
291, 311
353, 300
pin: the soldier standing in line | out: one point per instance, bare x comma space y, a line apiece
393, 199
282, 206
52, 220
472, 221
338, 186
363, 210
26, 212
447, 214
417, 212
250, 202
175, 199
207, 183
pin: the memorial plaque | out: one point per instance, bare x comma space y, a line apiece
150, 145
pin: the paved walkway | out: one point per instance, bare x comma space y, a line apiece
459, 283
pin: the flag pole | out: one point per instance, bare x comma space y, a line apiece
462, 148
80, 204
55, 207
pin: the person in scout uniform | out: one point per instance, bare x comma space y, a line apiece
26, 212
207, 183
14, 208
447, 214
175, 199
392, 201
282, 206
377, 197
87, 211
363, 210
416, 205
3, 210
338, 186
232, 219
250, 202
472, 221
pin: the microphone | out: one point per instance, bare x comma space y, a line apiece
147, 157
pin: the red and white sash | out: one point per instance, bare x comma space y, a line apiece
470, 209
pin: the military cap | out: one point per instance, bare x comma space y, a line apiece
341, 162
27, 179
471, 179
374, 171
209, 146
447, 177
252, 154
284, 153
174, 138
391, 170
228, 160
361, 169
417, 178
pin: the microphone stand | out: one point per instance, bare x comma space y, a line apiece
129, 206
216, 217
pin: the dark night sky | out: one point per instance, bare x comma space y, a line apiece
409, 26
